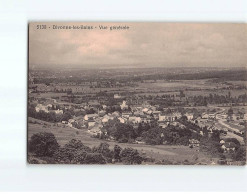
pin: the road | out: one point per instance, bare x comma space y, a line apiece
222, 122
228, 126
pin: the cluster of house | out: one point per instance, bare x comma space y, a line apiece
194, 143
143, 113
223, 115
138, 114
170, 118
47, 108
228, 146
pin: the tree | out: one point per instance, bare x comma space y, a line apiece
181, 93
146, 127
103, 149
77, 145
110, 126
116, 152
210, 146
139, 129
94, 158
131, 156
74, 152
234, 140
43, 144
215, 136
183, 141
240, 154
66, 116
184, 118
70, 156
153, 136
230, 112
120, 131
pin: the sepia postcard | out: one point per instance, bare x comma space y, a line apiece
137, 93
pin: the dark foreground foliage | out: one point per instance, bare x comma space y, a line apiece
43, 148
43, 144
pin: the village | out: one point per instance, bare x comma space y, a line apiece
94, 116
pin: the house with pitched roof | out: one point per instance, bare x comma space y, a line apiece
229, 146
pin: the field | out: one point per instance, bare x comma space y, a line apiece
189, 93
234, 92
178, 85
190, 87
47, 95
175, 154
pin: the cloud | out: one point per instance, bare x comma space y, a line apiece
149, 44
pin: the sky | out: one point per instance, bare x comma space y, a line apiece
142, 45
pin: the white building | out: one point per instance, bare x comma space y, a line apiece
204, 115
41, 107
121, 120
189, 116
124, 105
90, 116
117, 96
222, 141
167, 117
135, 119
58, 111
126, 114
106, 118
91, 123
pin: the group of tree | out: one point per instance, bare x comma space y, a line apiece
164, 102
49, 116
196, 100
124, 132
151, 133
217, 99
45, 146
192, 126
240, 154
211, 146
171, 135
121, 132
